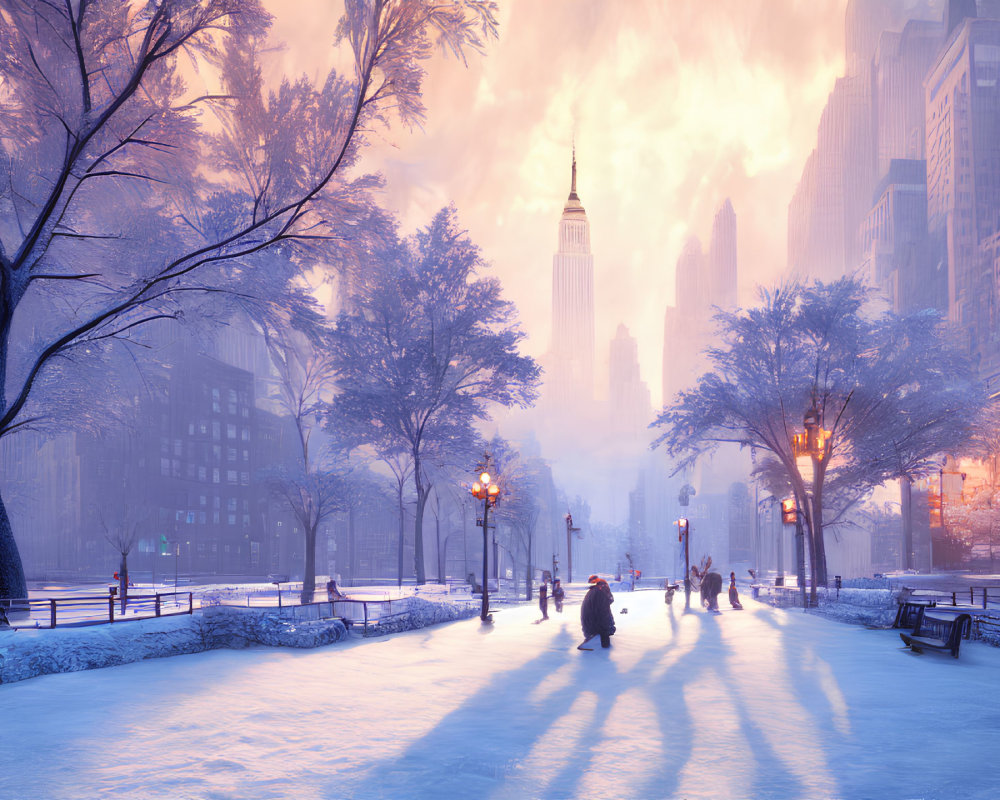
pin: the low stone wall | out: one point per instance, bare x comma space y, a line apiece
419, 613
28, 653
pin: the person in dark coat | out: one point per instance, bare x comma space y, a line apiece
734, 595
558, 594
333, 592
543, 599
595, 612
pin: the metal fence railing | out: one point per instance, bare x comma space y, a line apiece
51, 612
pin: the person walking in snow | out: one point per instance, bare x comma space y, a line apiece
543, 599
558, 594
596, 618
734, 595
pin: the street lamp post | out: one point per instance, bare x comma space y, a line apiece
488, 491
815, 443
570, 530
684, 535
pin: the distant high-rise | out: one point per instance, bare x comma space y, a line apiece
897, 259
871, 117
963, 172
691, 285
571, 357
834, 195
722, 258
628, 394
701, 282
901, 61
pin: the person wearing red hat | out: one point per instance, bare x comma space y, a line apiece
595, 612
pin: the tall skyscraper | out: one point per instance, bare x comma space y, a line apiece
701, 283
571, 357
868, 120
722, 258
901, 61
963, 171
898, 260
628, 394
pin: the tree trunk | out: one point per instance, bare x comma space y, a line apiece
123, 582
819, 565
437, 534
399, 579
418, 522
12, 582
906, 511
309, 572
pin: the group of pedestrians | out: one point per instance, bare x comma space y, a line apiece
596, 617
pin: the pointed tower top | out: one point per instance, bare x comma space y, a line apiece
573, 203
572, 189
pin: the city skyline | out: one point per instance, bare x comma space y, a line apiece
673, 109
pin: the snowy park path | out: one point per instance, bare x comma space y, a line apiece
757, 703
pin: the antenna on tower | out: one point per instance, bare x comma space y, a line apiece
572, 189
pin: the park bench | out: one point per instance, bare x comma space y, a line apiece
938, 632
908, 613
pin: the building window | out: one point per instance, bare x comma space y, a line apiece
230, 431
231, 476
215, 475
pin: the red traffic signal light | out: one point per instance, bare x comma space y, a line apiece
789, 513
682, 529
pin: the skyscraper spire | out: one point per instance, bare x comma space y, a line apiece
572, 189
573, 204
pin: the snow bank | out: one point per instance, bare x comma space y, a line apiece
871, 607
419, 613
27, 653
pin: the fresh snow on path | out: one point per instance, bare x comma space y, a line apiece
760, 703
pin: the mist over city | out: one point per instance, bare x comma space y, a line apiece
463, 306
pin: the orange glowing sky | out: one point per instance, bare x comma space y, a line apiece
675, 104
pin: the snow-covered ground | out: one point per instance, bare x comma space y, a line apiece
757, 703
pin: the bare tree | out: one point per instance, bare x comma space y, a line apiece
103, 162
122, 533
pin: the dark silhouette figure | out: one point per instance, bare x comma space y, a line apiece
734, 595
595, 612
543, 599
332, 592
558, 594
